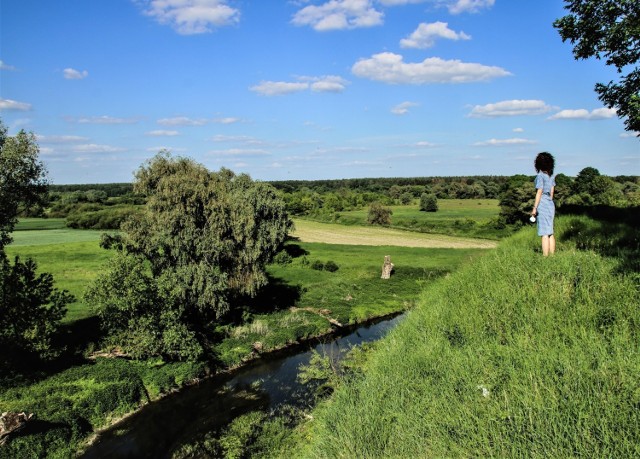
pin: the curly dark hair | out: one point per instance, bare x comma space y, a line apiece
544, 162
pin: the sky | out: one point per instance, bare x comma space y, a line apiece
305, 89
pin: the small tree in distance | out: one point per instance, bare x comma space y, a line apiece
379, 215
428, 202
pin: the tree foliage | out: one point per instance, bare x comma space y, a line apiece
379, 214
608, 29
30, 306
203, 240
428, 202
23, 181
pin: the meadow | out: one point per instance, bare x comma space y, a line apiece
474, 218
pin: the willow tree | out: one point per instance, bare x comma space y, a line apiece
203, 239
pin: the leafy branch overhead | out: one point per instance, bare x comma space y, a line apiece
610, 30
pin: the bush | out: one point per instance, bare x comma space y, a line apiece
331, 266
317, 265
379, 215
428, 203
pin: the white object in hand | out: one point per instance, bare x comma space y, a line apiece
532, 219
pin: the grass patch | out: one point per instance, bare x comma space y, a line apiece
515, 355
27, 224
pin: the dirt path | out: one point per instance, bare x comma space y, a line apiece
361, 235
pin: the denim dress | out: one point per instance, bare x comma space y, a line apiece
546, 208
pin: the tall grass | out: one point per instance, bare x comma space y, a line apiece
515, 355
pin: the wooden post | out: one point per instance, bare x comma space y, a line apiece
387, 267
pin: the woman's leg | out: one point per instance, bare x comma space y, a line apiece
545, 245
552, 244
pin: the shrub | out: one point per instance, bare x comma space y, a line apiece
379, 215
331, 266
428, 202
317, 265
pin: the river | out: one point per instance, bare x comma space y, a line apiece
268, 383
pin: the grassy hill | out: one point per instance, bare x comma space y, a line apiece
514, 355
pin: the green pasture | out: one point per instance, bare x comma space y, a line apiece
455, 217
72, 256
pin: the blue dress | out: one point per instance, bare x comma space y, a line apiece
546, 208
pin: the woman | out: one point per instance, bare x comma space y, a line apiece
544, 209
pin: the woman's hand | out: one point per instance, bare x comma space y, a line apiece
534, 212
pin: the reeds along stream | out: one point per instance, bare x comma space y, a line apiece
266, 384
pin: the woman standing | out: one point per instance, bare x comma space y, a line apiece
544, 209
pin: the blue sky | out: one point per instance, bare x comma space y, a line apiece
304, 89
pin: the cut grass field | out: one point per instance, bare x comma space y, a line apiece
310, 231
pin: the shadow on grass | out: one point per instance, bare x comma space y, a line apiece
615, 233
275, 296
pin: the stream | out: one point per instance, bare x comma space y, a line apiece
268, 383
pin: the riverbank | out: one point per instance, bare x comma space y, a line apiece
515, 355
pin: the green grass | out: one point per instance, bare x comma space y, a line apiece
73, 264
514, 355
458, 217
25, 224
352, 294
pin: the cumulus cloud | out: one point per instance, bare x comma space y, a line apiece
631, 134
227, 120
390, 68
189, 17
518, 129
424, 144
403, 108
425, 35
14, 105
73, 74
583, 114
163, 133
339, 15
468, 6
504, 142
182, 121
510, 108
328, 83
240, 152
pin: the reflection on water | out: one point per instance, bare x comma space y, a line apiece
265, 384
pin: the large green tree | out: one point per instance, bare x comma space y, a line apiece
609, 29
202, 241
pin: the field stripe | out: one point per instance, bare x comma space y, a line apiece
308, 231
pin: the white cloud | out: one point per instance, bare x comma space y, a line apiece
630, 134
468, 6
14, 105
242, 139
338, 15
188, 17
227, 120
162, 133
182, 121
95, 148
103, 120
157, 149
60, 138
518, 129
504, 142
426, 34
278, 88
4, 66
73, 74
403, 108
424, 144
510, 108
329, 83
389, 68
583, 114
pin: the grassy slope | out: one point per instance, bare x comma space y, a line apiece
512, 356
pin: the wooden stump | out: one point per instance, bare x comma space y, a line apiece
387, 267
